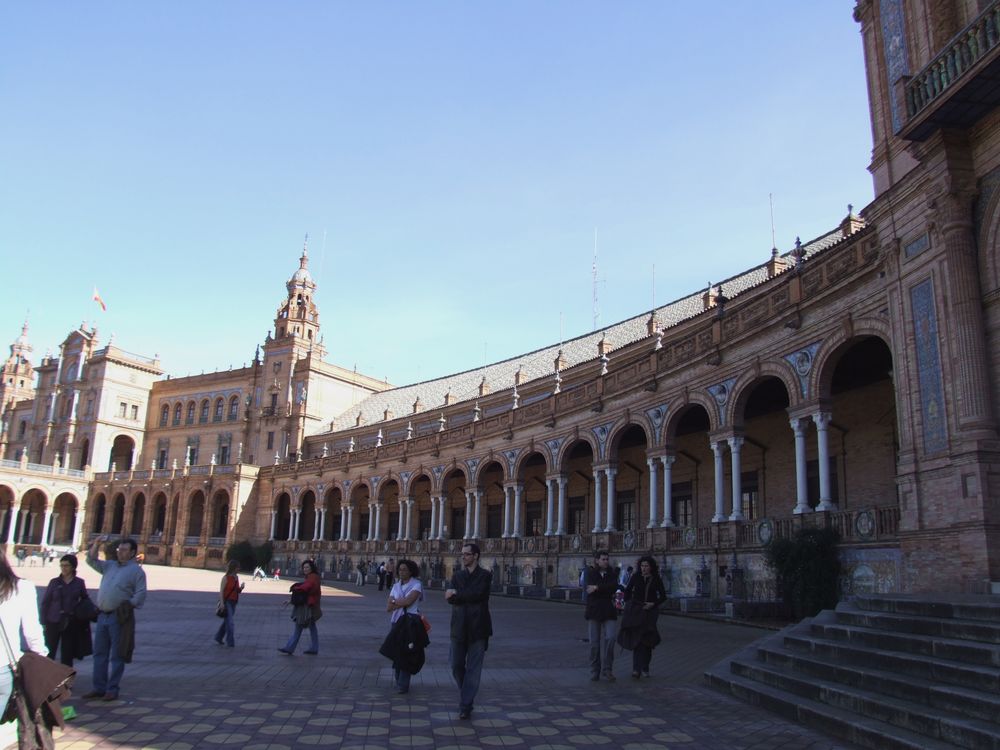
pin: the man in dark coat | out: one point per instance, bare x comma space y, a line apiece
602, 618
471, 626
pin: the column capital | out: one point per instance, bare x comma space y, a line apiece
822, 419
668, 459
735, 442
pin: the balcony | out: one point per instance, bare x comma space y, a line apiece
960, 85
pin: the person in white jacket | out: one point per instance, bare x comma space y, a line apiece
19, 617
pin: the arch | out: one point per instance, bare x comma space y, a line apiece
177, 413
7, 499
332, 502
621, 429
745, 384
159, 514
750, 389
821, 375
196, 514
122, 450
529, 459
307, 516
118, 514
138, 515
282, 515
84, 454
234, 409
219, 518
679, 412
65, 509
99, 503
572, 444
164, 415
34, 502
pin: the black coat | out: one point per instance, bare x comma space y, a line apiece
405, 643
638, 626
601, 603
470, 613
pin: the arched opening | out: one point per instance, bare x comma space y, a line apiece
100, 506
307, 517
64, 513
220, 515
122, 451
159, 514
628, 452
767, 457
138, 515
389, 498
332, 503
7, 508
84, 455
196, 516
532, 475
33, 502
454, 492
118, 514
578, 466
420, 491
359, 502
282, 516
688, 434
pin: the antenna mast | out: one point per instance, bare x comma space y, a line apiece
770, 199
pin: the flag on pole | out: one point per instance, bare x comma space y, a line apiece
98, 300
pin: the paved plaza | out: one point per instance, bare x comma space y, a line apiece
183, 692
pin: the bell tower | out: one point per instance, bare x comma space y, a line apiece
18, 376
296, 325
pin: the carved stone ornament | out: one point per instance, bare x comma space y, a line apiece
386, 547
629, 540
418, 546
530, 545
690, 536
864, 524
765, 531
577, 542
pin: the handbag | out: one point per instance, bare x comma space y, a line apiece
85, 609
298, 597
220, 609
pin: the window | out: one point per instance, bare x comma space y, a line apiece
122, 409
90, 407
135, 412
270, 441
203, 416
21, 428
750, 492
274, 401
625, 510
494, 521
164, 415
423, 522
224, 455
234, 408
192, 454
177, 414
190, 413
576, 508
217, 414
161, 459
533, 519
680, 492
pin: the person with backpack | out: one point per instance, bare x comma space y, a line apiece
229, 595
305, 609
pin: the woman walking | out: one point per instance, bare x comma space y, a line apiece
18, 619
59, 602
305, 601
229, 595
404, 599
643, 596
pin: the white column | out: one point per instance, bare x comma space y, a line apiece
822, 421
29, 527
78, 527
654, 471
350, 522
322, 525
612, 499
402, 518
717, 449
298, 522
434, 516
371, 520
291, 523
801, 483
518, 510
47, 520
550, 501
598, 490
343, 522
378, 521
735, 446
409, 518
561, 519
442, 514
317, 527
52, 529
506, 511
469, 495
477, 527
274, 522
668, 490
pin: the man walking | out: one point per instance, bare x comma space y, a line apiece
471, 626
123, 589
601, 616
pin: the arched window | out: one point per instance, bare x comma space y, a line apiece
190, 413
164, 415
234, 408
217, 414
177, 414
203, 416
21, 428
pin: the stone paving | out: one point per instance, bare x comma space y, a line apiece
183, 692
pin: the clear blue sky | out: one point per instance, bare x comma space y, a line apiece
457, 155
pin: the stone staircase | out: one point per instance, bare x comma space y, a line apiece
882, 671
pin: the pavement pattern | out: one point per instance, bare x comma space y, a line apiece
183, 692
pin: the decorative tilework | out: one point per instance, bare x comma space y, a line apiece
511, 456
404, 481
720, 393
802, 362
601, 432
925, 330
656, 416
554, 444
472, 464
897, 65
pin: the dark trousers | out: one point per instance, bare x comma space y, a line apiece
641, 656
54, 635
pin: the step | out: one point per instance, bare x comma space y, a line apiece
831, 720
944, 627
958, 606
954, 649
926, 667
956, 700
920, 719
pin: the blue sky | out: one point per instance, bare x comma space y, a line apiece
458, 158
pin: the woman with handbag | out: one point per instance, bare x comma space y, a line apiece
18, 618
405, 596
229, 595
305, 609
643, 596
59, 605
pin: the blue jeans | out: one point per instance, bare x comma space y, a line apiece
226, 628
401, 677
602, 646
466, 661
107, 634
313, 638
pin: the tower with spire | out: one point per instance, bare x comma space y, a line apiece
296, 324
18, 375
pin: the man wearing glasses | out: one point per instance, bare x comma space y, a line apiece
471, 626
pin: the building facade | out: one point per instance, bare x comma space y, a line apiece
850, 382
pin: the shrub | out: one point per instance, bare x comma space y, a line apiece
808, 570
264, 553
244, 553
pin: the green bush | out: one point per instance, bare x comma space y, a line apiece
807, 569
244, 553
264, 553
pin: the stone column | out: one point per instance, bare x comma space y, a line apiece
434, 517
469, 495
378, 522
371, 521
442, 516
350, 522
518, 510
77, 528
291, 523
668, 490
409, 518
561, 522
550, 491
598, 490
822, 421
401, 521
317, 526
801, 483
506, 511
612, 498
477, 527
735, 446
717, 449
343, 522
654, 471
52, 529
46, 521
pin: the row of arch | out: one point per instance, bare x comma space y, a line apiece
37, 519
205, 412
168, 520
